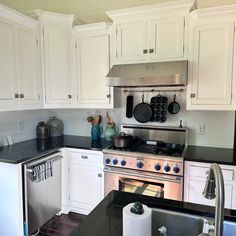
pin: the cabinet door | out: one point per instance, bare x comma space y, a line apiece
86, 186
8, 87
92, 65
211, 64
28, 67
166, 38
131, 42
57, 64
196, 187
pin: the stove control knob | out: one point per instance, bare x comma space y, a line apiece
157, 167
140, 164
115, 162
123, 162
167, 168
176, 169
107, 161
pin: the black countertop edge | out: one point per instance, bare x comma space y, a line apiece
106, 218
224, 156
31, 149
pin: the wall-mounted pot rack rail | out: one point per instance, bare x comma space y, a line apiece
181, 90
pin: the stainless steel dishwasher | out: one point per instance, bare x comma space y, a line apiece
42, 199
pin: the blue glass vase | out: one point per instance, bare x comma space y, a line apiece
96, 132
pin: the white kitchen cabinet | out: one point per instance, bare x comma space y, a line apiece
29, 67
8, 81
211, 60
151, 33
57, 64
92, 47
194, 182
167, 38
19, 62
84, 175
131, 41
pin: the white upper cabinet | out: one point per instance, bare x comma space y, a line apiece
19, 61
92, 65
167, 38
150, 33
57, 45
211, 59
29, 67
8, 87
135, 33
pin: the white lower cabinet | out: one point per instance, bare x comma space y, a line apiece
194, 183
83, 183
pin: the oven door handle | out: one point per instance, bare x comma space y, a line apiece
174, 180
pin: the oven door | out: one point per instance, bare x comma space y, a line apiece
143, 182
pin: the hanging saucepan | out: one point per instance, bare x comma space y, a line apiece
174, 106
143, 112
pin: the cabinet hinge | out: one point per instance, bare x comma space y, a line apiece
68, 169
184, 23
37, 42
116, 54
116, 31
38, 97
183, 48
108, 95
43, 30
234, 29
69, 197
75, 45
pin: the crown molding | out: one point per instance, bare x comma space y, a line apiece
93, 26
162, 8
17, 17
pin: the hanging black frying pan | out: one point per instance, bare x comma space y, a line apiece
174, 106
142, 112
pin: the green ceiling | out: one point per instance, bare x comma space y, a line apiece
89, 11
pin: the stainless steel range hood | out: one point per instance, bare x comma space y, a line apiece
160, 74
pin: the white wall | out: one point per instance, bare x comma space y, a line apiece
9, 123
219, 125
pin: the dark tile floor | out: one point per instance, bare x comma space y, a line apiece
61, 225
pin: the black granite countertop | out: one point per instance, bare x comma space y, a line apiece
30, 149
106, 218
210, 155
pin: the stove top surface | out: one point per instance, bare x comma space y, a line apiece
160, 148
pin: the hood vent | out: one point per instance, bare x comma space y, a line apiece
160, 74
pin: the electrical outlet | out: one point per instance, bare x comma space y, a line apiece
201, 129
20, 125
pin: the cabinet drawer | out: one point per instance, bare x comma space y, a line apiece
84, 158
200, 171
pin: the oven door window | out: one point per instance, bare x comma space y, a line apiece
141, 187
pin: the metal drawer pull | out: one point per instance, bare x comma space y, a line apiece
22, 95
69, 96
84, 157
16, 95
99, 175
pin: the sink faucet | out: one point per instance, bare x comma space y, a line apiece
215, 188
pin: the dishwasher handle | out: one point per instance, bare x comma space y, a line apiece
54, 158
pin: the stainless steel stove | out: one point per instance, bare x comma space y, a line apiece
153, 165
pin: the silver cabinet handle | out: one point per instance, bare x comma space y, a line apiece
69, 96
84, 157
151, 50
192, 95
16, 95
22, 95
145, 51
99, 175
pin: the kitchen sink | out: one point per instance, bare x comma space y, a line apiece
229, 228
182, 224
177, 223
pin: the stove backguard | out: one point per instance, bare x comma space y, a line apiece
160, 133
